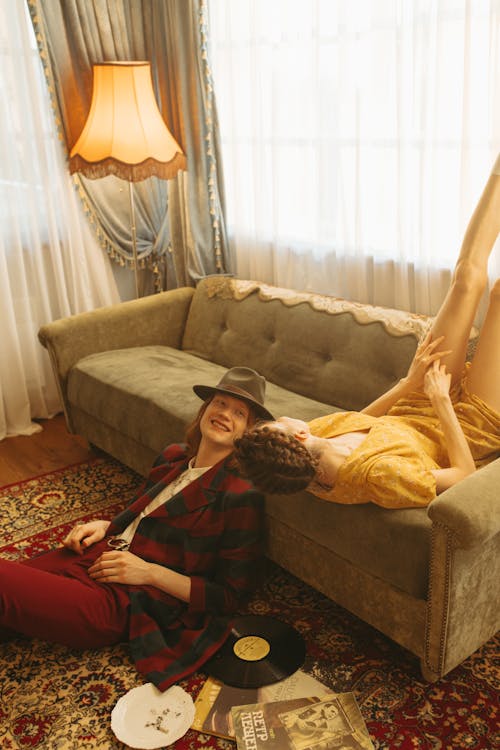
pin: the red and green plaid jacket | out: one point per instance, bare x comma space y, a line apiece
210, 531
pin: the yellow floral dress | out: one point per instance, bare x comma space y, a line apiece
393, 465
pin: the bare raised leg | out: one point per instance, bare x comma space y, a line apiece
456, 315
484, 375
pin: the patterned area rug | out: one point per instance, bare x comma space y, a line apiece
59, 699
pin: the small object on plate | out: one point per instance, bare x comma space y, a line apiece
145, 718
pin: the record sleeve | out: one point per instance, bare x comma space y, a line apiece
334, 721
215, 700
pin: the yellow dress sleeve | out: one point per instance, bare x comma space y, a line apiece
400, 482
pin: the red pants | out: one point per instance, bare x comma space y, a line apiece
53, 598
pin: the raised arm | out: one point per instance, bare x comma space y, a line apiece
425, 356
437, 386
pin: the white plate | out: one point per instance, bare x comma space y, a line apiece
147, 718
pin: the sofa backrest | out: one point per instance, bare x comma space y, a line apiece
341, 353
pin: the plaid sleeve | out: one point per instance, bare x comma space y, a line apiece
240, 555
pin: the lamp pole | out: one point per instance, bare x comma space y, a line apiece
134, 238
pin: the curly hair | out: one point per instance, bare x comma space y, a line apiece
275, 462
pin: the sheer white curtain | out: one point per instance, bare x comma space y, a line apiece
50, 264
357, 136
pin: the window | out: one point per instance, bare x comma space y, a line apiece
356, 127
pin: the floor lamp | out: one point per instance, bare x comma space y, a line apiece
125, 134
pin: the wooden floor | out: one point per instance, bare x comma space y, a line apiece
23, 457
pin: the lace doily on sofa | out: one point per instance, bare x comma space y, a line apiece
396, 322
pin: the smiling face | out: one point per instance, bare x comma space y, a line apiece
225, 419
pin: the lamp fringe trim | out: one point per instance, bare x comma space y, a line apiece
129, 172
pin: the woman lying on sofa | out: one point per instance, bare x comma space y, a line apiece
433, 428
161, 573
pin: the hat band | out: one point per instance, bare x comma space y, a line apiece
238, 391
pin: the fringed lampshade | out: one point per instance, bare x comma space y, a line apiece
125, 134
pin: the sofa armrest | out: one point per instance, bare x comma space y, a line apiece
470, 509
157, 319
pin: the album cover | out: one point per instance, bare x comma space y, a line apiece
333, 721
215, 700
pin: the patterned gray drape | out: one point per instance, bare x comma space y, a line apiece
180, 223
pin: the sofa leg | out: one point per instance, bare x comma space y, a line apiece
428, 674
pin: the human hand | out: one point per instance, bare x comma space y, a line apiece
84, 534
120, 567
424, 358
437, 382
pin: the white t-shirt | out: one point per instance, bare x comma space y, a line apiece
187, 476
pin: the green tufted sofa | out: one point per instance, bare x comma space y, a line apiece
427, 578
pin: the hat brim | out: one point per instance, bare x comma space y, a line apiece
206, 391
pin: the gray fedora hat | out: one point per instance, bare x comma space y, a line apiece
240, 382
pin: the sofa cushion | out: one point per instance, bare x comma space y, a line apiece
146, 392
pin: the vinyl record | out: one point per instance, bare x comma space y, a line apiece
259, 651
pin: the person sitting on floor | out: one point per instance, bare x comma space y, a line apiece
163, 573
433, 428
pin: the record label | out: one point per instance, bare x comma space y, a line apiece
252, 648
259, 650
